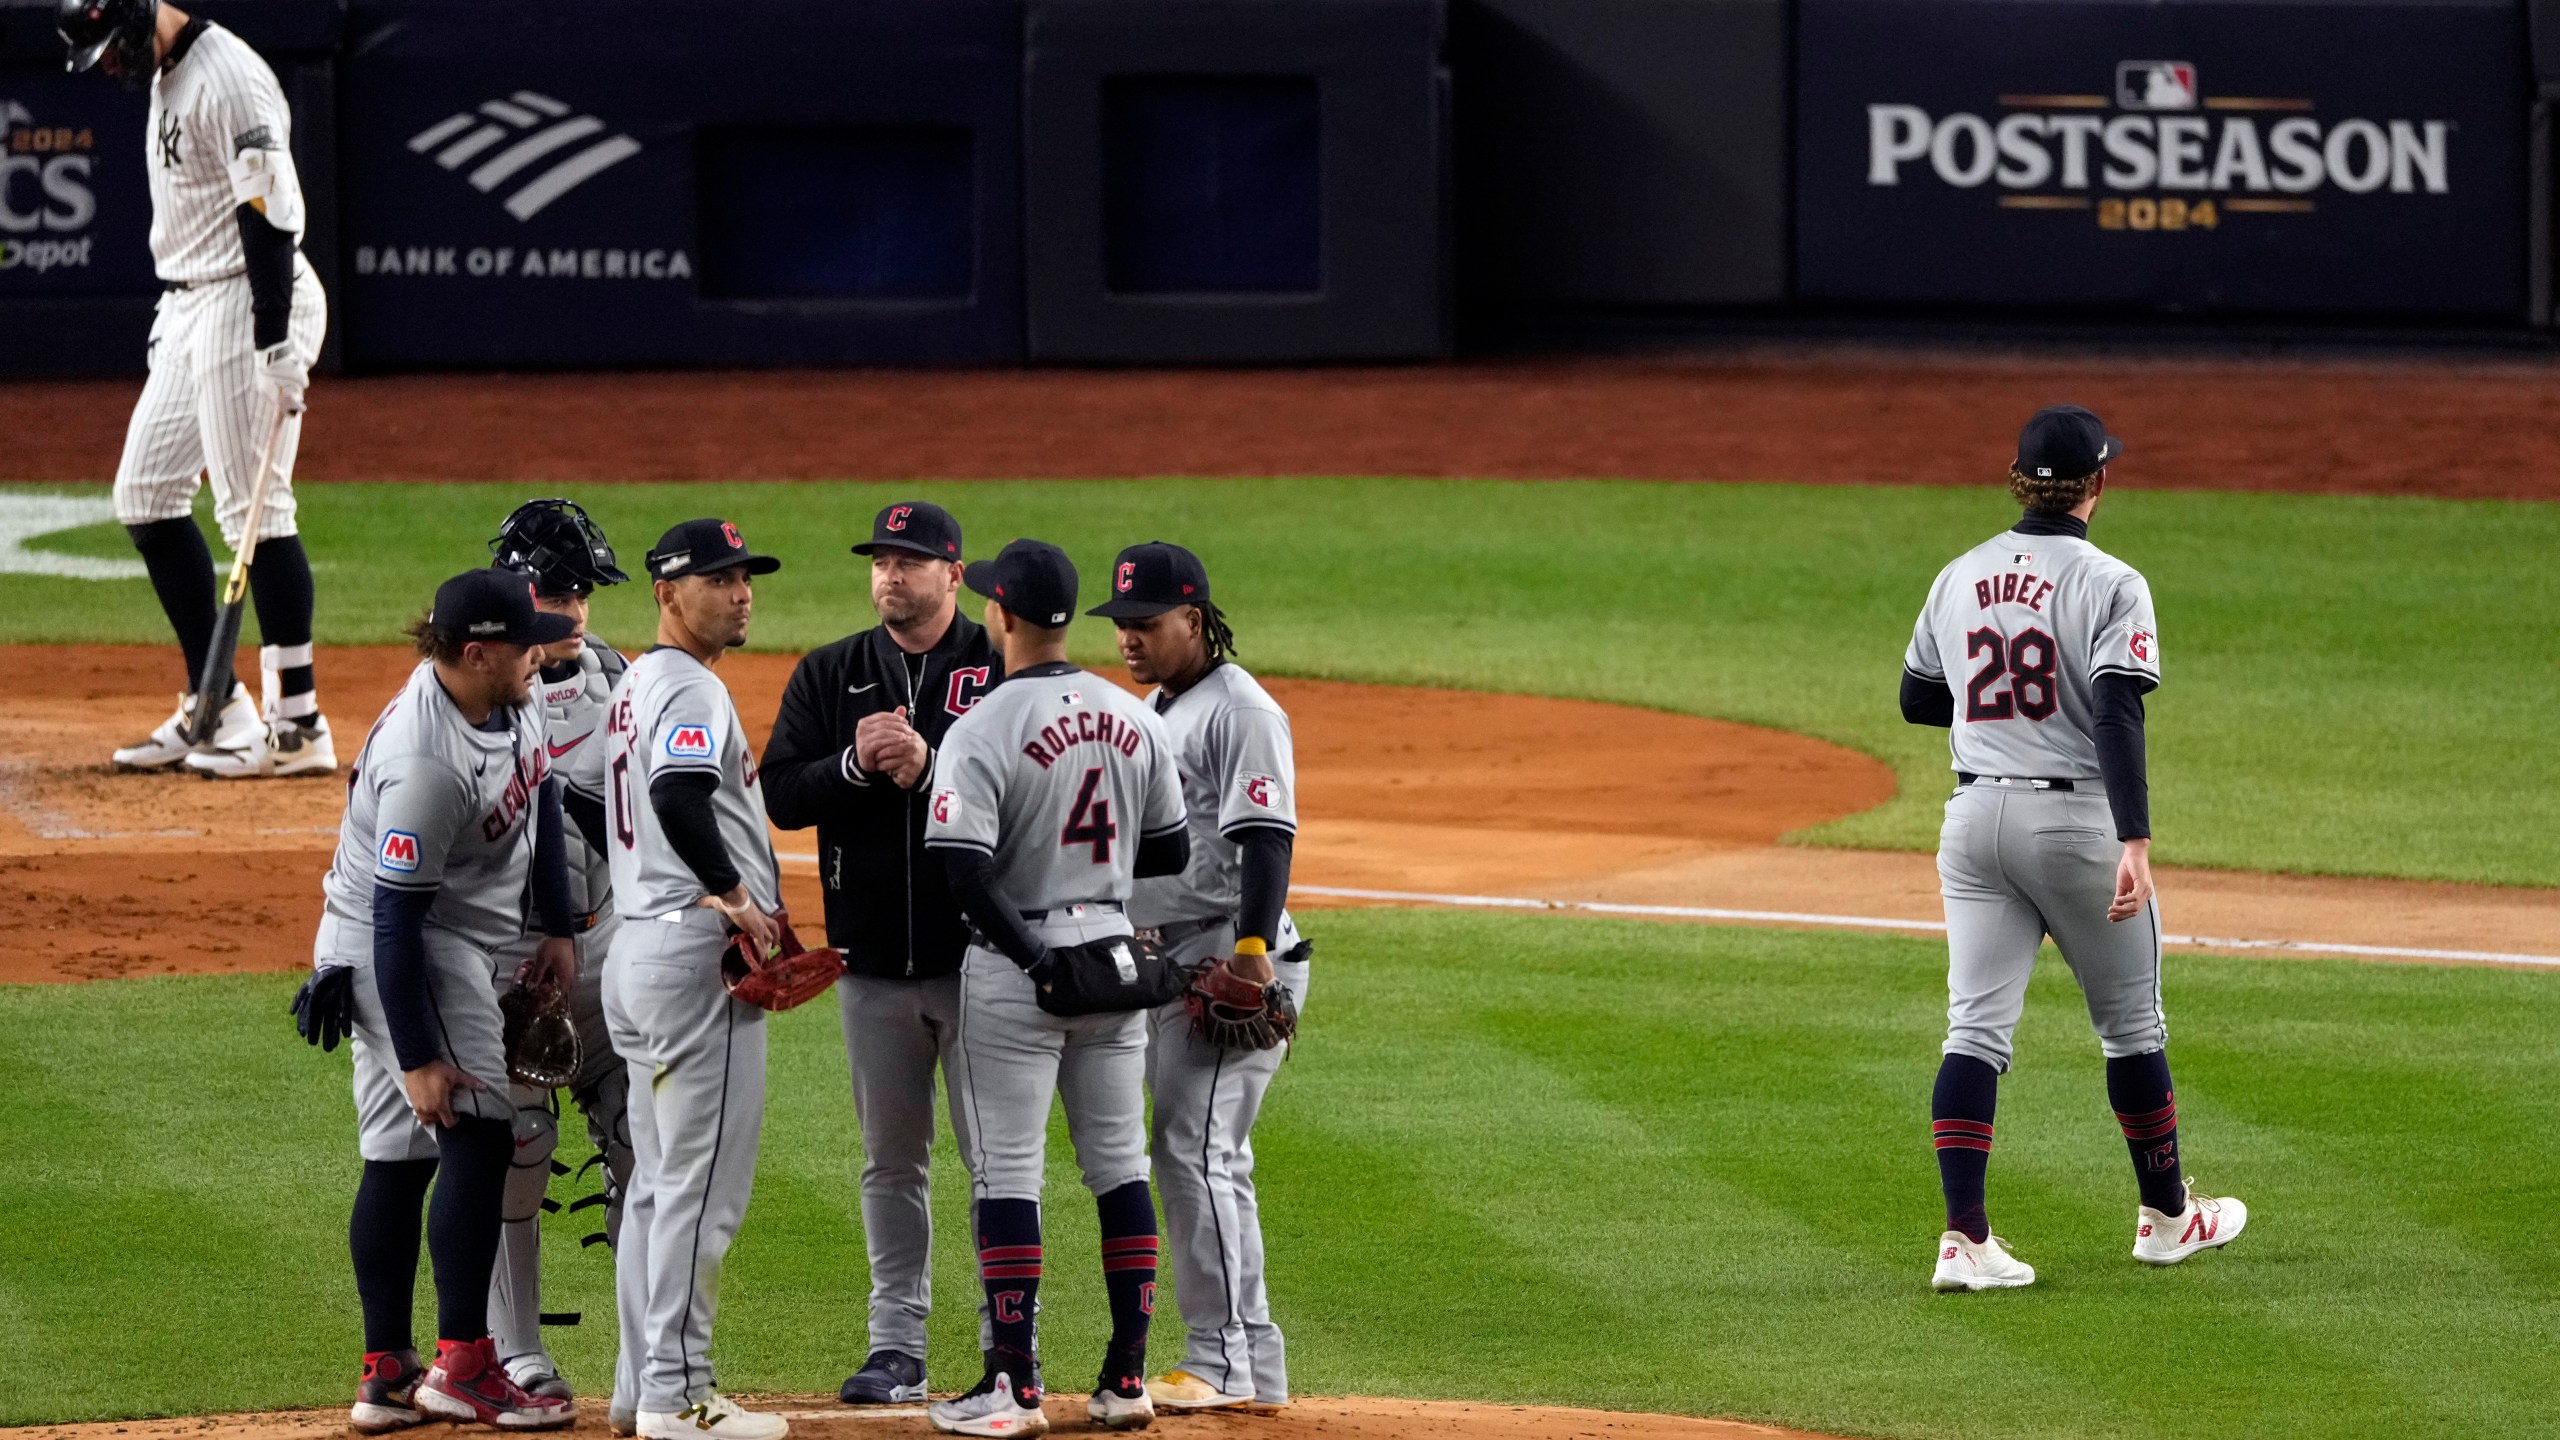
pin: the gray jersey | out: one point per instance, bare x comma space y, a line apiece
1231, 744
1057, 773
670, 715
221, 137
2020, 627
573, 724
434, 803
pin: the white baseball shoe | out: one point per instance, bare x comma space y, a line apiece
166, 747
997, 1408
714, 1417
277, 750
1964, 1264
619, 1420
1180, 1390
2208, 1222
1120, 1403
536, 1375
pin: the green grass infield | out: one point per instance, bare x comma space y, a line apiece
2353, 686
1516, 1159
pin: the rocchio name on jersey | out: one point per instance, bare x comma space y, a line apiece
1085, 727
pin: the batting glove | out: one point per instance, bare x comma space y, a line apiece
282, 376
324, 1008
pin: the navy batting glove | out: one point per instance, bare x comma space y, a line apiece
324, 1008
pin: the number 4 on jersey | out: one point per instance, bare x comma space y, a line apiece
1089, 823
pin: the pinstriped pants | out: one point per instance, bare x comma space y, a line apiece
200, 409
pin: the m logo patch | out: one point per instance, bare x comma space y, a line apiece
400, 851
689, 742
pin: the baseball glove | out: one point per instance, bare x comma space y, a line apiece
542, 1039
790, 975
1098, 977
1239, 1014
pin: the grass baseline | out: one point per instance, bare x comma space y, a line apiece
1584, 1162
2347, 682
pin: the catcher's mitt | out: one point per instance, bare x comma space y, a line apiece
787, 976
1239, 1014
1098, 977
542, 1039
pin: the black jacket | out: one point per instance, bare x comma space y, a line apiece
888, 907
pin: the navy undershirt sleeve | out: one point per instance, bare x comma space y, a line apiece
683, 805
400, 972
1164, 854
551, 866
971, 872
1927, 702
2122, 761
1266, 851
267, 252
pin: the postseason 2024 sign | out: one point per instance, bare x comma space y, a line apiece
2350, 158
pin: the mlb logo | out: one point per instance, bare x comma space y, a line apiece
2155, 85
689, 742
400, 851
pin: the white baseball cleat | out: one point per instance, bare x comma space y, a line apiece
1181, 1390
1120, 1403
714, 1417
1964, 1264
2208, 1222
994, 1409
536, 1375
166, 747
275, 751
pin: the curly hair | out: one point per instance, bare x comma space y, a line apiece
2053, 493
431, 643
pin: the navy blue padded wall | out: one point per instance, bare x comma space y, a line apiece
1167, 163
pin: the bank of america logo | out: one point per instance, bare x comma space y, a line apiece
540, 128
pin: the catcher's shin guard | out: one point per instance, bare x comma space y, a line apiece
515, 1283
607, 1105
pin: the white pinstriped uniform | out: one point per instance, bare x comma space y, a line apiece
220, 136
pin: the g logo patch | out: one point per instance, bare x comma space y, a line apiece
946, 807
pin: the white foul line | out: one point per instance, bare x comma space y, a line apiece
1869, 922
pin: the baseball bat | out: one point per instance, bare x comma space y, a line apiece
205, 707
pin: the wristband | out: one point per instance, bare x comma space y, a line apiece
1252, 945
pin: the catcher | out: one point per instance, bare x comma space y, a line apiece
1212, 1055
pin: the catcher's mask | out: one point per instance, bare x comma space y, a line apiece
556, 543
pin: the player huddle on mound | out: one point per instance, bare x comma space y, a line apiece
555, 872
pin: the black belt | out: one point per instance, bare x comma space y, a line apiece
1107, 907
1962, 778
170, 285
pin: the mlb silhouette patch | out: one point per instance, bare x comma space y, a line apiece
400, 851
688, 742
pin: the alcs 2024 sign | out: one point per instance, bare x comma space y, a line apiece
2357, 158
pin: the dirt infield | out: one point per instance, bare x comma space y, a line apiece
105, 875
819, 1418
2401, 428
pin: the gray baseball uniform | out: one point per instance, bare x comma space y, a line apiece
1231, 742
2028, 848
573, 710
695, 1056
434, 804
1047, 774
222, 138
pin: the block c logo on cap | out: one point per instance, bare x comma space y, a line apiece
1127, 577
729, 532
898, 517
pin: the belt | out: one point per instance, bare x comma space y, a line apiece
1075, 911
1175, 931
181, 285
2066, 786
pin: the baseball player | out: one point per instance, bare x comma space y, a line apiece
1050, 797
1239, 782
692, 864
2035, 649
853, 754
566, 556
451, 817
239, 324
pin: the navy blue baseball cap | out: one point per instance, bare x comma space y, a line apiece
1032, 579
495, 606
698, 547
1152, 578
923, 528
2065, 442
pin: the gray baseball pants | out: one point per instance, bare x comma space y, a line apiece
2016, 864
1206, 1098
1014, 1056
895, 1032
696, 1063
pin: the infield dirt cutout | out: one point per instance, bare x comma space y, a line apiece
105, 875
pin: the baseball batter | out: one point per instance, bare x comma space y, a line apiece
1050, 797
238, 327
1231, 743
567, 557
2035, 649
451, 820
692, 864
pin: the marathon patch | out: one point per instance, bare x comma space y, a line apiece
689, 742
400, 851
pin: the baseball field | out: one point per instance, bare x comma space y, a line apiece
1536, 1156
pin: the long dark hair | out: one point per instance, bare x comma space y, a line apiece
1215, 630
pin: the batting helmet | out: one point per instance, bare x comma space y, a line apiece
555, 542
91, 28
